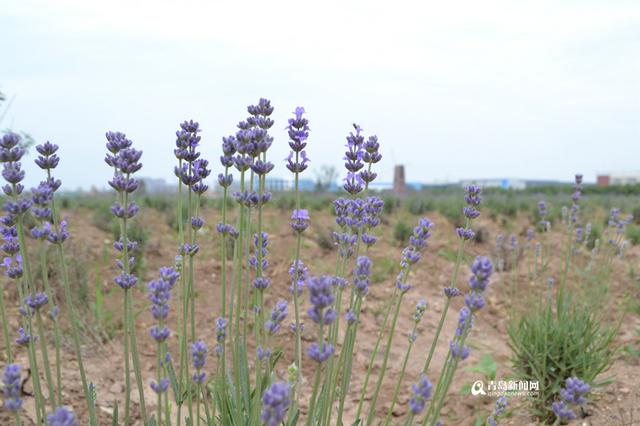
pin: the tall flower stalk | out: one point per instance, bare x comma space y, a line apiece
471, 211
260, 167
321, 296
226, 231
125, 161
410, 256
421, 307
481, 269
356, 217
17, 263
159, 294
55, 232
298, 131
42, 197
191, 171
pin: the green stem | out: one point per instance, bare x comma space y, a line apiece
76, 336
127, 377
75, 321
383, 368
158, 378
374, 354
27, 287
296, 302
56, 325
316, 381
136, 362
436, 337
238, 265
45, 360
454, 280
402, 371
5, 328
346, 378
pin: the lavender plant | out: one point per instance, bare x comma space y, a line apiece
563, 326
125, 161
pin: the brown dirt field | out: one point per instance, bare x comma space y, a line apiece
616, 404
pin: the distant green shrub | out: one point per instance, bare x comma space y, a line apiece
324, 241
420, 206
391, 203
633, 234
402, 232
550, 347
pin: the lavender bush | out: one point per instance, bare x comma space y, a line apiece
229, 385
565, 322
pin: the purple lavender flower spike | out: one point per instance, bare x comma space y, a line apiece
420, 393
298, 131
321, 297
574, 391
275, 403
125, 281
350, 317
12, 387
198, 360
361, 273
160, 387
62, 416
421, 308
263, 353
24, 338
473, 199
303, 274
13, 266
278, 314
221, 334
572, 396
36, 301
563, 411
320, 352
465, 233
451, 292
482, 268
459, 350
300, 220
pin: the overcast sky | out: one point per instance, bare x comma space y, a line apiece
461, 89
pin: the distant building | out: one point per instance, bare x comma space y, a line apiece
399, 182
280, 185
504, 183
618, 179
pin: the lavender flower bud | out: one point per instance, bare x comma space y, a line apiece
125, 281
465, 234
320, 352
161, 387
451, 292
421, 308
198, 360
420, 393
12, 387
563, 411
300, 220
278, 314
62, 416
361, 273
458, 350
321, 297
275, 403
